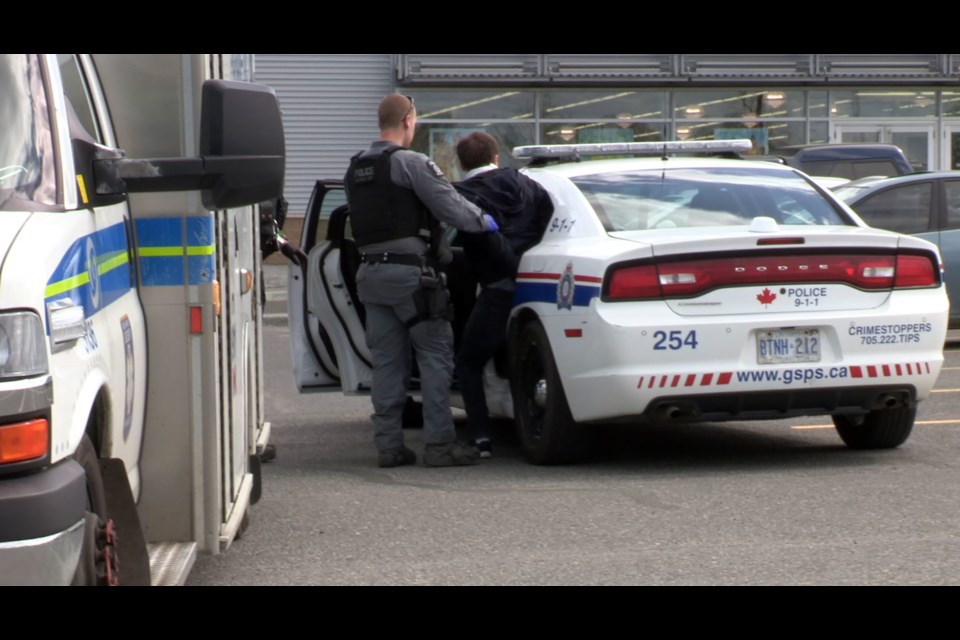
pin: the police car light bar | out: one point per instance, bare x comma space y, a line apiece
625, 148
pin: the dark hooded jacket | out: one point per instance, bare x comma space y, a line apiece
522, 209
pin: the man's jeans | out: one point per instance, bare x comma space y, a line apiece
483, 334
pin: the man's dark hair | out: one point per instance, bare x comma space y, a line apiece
476, 150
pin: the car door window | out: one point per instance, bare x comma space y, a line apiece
78, 97
28, 176
905, 208
951, 194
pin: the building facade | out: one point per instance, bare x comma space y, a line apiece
329, 102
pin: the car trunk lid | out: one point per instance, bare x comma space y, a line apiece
769, 269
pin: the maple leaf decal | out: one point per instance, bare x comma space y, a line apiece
766, 297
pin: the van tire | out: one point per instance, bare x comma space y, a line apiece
98, 565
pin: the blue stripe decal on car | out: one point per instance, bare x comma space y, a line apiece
527, 292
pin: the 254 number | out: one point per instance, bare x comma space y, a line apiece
674, 340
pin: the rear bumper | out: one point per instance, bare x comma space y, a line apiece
41, 525
622, 362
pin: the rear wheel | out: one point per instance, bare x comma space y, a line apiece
879, 429
547, 430
98, 564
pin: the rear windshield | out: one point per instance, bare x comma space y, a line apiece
676, 198
850, 169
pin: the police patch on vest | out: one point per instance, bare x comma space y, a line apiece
362, 175
433, 167
565, 289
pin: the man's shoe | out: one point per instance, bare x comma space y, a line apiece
397, 458
485, 447
452, 454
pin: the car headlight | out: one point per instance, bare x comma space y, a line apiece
23, 349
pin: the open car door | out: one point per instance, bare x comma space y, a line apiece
326, 319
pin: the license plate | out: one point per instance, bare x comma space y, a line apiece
787, 346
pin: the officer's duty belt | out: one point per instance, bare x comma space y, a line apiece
393, 258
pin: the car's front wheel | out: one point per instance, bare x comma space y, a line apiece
878, 429
547, 430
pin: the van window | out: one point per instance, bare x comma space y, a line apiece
27, 167
850, 169
78, 96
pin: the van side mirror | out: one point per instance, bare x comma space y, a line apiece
241, 145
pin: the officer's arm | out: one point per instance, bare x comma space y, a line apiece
435, 191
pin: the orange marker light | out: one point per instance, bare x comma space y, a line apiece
215, 293
24, 440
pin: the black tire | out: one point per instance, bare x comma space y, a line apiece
547, 431
98, 564
879, 429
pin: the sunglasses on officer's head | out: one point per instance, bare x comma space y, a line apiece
410, 98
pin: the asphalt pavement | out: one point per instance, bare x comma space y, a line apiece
275, 285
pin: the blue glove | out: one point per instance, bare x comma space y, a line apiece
489, 224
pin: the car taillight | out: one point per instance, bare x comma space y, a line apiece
915, 271
694, 277
634, 283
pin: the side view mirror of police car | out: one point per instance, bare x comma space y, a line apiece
241, 159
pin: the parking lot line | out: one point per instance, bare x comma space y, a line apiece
803, 427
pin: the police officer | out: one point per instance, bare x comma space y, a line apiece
398, 199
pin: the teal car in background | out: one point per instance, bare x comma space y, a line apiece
926, 205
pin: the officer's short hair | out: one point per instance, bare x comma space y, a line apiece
393, 109
476, 150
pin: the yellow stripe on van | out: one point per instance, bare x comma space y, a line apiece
55, 288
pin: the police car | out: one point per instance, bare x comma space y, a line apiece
673, 284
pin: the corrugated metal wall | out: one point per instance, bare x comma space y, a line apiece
329, 104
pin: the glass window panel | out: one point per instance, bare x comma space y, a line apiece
781, 134
468, 105
75, 90
905, 209
440, 141
883, 103
27, 157
818, 104
951, 103
819, 133
597, 132
952, 201
738, 104
614, 104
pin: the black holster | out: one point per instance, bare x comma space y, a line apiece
432, 298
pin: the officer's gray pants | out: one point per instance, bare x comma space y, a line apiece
386, 291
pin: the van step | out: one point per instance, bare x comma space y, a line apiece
171, 562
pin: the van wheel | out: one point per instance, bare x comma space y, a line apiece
879, 429
547, 430
98, 564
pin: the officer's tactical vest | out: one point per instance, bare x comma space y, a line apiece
379, 209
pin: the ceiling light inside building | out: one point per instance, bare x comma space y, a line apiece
774, 99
